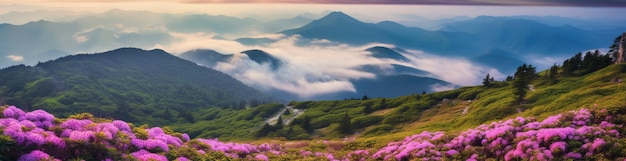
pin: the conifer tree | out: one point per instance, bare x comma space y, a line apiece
279, 123
487, 81
306, 124
554, 70
264, 130
523, 77
345, 126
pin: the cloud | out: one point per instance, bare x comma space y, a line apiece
320, 67
308, 71
15, 58
454, 70
440, 87
185, 42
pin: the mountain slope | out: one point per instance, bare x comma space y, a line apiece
205, 57
464, 108
261, 57
132, 84
521, 36
386, 53
499, 59
392, 80
340, 27
468, 38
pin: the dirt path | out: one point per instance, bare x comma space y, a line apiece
296, 112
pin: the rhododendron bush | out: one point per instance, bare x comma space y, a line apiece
577, 135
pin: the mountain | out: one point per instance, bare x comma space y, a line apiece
33, 40
393, 69
128, 83
255, 41
340, 27
499, 59
211, 24
261, 57
395, 85
391, 79
464, 38
527, 37
206, 57
278, 25
386, 53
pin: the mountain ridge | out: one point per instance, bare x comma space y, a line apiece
143, 80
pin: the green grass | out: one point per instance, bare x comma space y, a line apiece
442, 111
396, 118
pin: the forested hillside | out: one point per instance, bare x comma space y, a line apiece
143, 87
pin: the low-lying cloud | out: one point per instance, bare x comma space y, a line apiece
313, 70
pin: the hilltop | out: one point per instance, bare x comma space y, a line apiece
140, 86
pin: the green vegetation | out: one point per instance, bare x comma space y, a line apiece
467, 107
142, 87
523, 76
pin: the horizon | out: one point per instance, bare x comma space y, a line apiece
364, 11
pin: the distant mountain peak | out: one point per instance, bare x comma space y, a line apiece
338, 16
386, 53
260, 57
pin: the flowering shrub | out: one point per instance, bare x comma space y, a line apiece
577, 135
572, 135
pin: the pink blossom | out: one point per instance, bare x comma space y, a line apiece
558, 146
36, 155
261, 157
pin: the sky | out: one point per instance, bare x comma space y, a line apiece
602, 3
363, 9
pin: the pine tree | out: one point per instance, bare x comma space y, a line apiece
508, 78
279, 123
573, 64
264, 130
365, 97
554, 70
487, 81
523, 76
306, 124
614, 49
345, 126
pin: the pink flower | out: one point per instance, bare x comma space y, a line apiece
82, 135
452, 152
597, 143
558, 146
14, 112
144, 155
35, 155
261, 157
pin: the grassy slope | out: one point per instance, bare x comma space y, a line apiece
431, 113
